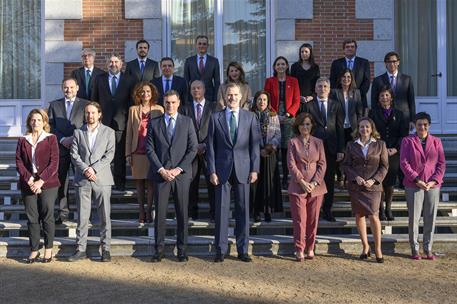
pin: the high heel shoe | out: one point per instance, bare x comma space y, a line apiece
380, 260
33, 260
45, 259
299, 257
366, 255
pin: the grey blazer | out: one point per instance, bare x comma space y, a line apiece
99, 160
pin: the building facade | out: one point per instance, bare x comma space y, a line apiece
41, 42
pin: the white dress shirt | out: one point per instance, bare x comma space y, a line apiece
41, 137
228, 115
92, 135
365, 147
325, 101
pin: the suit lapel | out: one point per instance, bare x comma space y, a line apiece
224, 126
85, 129
163, 128
62, 109
317, 110
428, 145
178, 126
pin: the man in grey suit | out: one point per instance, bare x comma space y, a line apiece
92, 151
233, 157
142, 68
171, 147
203, 67
65, 115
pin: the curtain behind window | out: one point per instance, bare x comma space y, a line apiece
451, 59
416, 42
20, 41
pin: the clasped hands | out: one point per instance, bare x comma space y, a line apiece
425, 186
214, 179
89, 173
307, 187
367, 183
35, 186
169, 175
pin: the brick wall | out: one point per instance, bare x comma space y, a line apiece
103, 28
333, 22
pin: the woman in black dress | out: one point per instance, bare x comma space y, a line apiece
392, 127
306, 71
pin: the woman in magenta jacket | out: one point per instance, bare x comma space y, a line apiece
423, 164
37, 161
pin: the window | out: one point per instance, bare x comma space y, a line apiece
20, 49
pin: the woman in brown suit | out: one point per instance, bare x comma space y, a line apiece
145, 108
365, 165
307, 165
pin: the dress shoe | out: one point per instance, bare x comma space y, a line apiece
32, 260
364, 255
380, 260
267, 217
157, 257
106, 256
60, 220
244, 257
219, 258
415, 257
78, 255
182, 257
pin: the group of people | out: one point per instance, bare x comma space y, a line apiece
171, 130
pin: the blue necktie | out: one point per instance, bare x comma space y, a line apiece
142, 68
350, 64
170, 128
88, 77
167, 85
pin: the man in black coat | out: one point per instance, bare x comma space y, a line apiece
169, 81
86, 74
142, 68
359, 66
65, 115
113, 91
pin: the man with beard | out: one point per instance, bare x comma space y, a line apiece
142, 68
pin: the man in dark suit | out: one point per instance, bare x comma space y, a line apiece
329, 118
233, 157
113, 91
402, 86
171, 147
200, 111
359, 66
169, 81
65, 115
142, 68
203, 67
86, 74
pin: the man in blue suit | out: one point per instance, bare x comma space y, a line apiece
233, 158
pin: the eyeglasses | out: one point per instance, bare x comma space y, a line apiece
392, 61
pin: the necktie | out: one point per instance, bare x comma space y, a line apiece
323, 113
201, 66
199, 114
233, 127
167, 85
350, 64
113, 85
170, 128
88, 78
392, 82
142, 68
69, 107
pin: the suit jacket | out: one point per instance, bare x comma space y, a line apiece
202, 130
292, 94
246, 95
428, 165
404, 99
180, 152
223, 155
46, 162
374, 166
114, 108
60, 125
99, 159
151, 70
392, 129
133, 124
361, 70
178, 84
80, 75
355, 106
309, 166
211, 76
333, 133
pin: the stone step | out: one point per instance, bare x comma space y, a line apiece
203, 246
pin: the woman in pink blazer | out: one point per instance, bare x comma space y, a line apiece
423, 164
307, 165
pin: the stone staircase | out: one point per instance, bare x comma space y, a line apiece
132, 239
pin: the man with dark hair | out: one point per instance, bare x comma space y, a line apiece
86, 74
65, 115
358, 65
142, 68
203, 67
169, 81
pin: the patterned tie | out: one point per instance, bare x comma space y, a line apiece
201, 66
88, 78
113, 85
323, 113
142, 68
392, 82
233, 127
199, 114
167, 85
171, 129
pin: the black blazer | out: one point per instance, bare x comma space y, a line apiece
60, 125
151, 70
114, 108
392, 129
202, 130
354, 102
178, 84
80, 75
403, 95
333, 133
211, 76
361, 72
